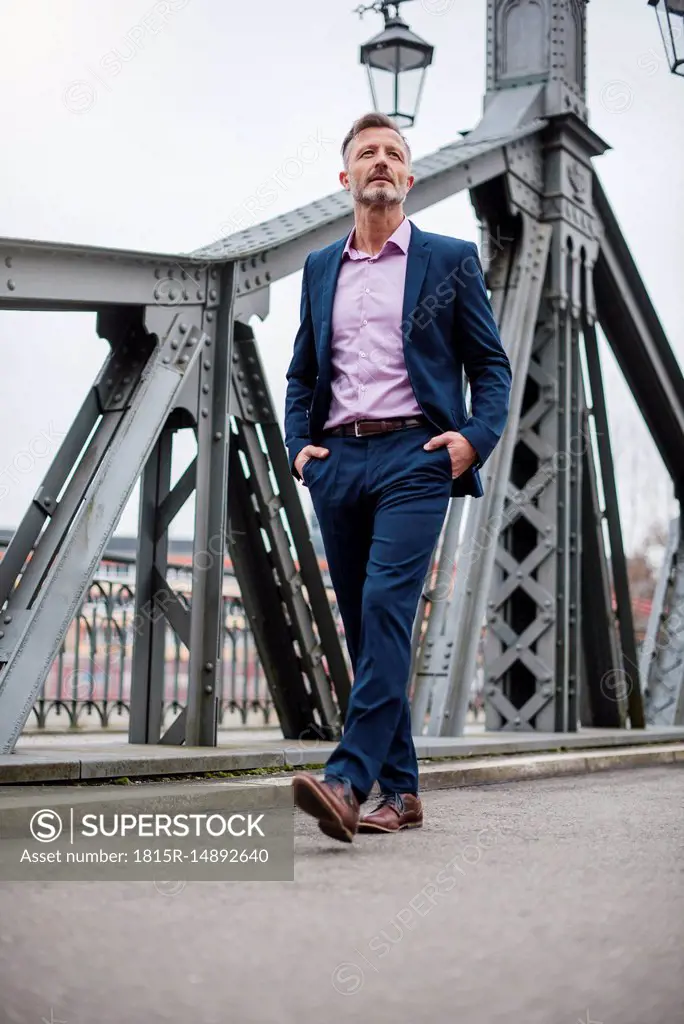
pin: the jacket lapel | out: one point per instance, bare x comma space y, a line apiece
331, 272
418, 256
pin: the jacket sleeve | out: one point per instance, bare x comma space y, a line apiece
484, 360
301, 379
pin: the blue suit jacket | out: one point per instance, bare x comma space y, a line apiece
447, 327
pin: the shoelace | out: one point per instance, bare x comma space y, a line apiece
394, 800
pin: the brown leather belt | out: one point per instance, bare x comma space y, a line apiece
361, 428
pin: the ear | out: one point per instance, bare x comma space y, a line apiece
409, 182
344, 179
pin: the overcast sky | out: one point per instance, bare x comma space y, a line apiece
120, 130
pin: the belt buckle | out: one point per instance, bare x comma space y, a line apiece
356, 428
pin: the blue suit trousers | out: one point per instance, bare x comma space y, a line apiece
380, 502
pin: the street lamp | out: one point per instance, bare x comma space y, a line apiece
670, 14
396, 60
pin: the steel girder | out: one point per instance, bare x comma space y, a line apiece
623, 688
278, 247
662, 654
638, 341
173, 365
529, 572
449, 653
57, 549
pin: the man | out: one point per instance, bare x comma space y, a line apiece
376, 427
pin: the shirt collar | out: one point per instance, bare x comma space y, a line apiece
400, 238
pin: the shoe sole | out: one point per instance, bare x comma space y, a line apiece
312, 802
368, 827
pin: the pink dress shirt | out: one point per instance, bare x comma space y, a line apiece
369, 379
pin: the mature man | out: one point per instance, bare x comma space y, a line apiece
376, 427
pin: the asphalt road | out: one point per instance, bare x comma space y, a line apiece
549, 902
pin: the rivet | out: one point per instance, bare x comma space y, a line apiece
127, 380
212, 294
205, 389
208, 341
47, 501
218, 435
166, 359
209, 666
183, 328
1, 634
118, 396
8, 619
8, 261
173, 293
174, 343
207, 364
157, 272
11, 285
208, 689
183, 360
210, 316
205, 413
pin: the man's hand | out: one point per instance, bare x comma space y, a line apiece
461, 451
309, 451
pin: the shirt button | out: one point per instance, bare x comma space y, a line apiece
364, 322
367, 291
363, 387
362, 353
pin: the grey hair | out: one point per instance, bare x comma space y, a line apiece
372, 120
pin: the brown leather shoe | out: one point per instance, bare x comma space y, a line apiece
333, 803
395, 811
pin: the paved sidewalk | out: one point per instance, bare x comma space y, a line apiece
556, 902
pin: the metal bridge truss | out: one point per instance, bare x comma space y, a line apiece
539, 560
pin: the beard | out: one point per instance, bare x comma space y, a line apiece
377, 193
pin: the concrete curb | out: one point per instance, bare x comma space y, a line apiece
263, 791
478, 772
74, 763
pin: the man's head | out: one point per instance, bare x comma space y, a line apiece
377, 162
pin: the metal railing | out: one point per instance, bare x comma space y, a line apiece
89, 682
